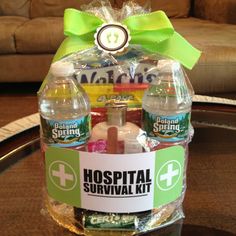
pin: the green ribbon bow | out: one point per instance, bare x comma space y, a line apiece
152, 31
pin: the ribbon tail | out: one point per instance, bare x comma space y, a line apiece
177, 48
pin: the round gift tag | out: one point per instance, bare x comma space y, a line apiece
112, 38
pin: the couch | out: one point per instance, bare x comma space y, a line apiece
32, 30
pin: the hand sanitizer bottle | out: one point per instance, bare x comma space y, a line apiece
127, 132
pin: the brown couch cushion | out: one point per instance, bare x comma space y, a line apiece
216, 10
8, 26
216, 69
40, 35
24, 68
41, 8
173, 8
14, 8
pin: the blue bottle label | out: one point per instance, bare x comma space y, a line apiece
167, 128
66, 133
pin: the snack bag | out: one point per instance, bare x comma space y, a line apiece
115, 121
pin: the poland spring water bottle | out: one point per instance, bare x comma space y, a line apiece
64, 109
167, 104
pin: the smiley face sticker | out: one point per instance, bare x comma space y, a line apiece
112, 38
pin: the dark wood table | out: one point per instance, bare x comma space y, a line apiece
209, 205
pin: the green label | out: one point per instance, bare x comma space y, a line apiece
169, 164
66, 133
63, 175
167, 128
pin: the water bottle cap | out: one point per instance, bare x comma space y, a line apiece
62, 69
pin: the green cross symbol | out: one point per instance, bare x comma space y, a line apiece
62, 175
168, 175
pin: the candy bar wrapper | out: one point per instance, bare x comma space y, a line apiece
116, 189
